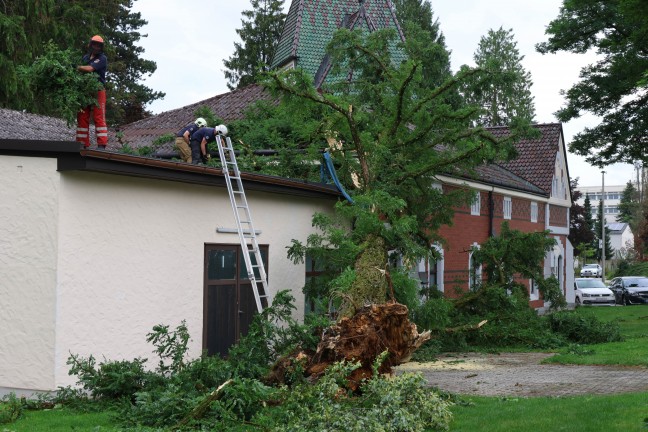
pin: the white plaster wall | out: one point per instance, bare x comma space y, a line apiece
28, 254
132, 252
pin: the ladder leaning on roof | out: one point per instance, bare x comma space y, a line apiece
247, 235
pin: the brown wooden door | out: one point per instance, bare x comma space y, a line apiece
229, 304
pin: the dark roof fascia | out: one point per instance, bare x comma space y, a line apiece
17, 147
138, 166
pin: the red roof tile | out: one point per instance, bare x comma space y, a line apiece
228, 106
536, 157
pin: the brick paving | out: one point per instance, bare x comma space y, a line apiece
521, 374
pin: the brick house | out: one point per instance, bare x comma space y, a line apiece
531, 193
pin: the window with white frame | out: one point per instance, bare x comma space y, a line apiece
475, 207
430, 272
508, 208
533, 290
534, 211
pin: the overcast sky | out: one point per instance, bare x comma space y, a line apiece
189, 40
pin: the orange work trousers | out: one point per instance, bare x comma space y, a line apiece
99, 114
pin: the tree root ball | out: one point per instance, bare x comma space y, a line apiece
362, 337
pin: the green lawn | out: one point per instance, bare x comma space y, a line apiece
633, 351
59, 420
619, 413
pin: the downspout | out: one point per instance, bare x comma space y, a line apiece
491, 211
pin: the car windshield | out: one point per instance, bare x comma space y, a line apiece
590, 283
591, 266
636, 282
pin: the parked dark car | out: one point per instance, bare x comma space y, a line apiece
630, 290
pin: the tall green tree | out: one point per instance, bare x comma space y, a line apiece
609, 251
614, 87
260, 33
391, 133
417, 16
581, 230
26, 27
629, 206
507, 94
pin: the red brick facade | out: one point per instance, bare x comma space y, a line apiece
468, 229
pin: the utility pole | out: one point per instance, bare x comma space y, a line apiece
637, 166
603, 225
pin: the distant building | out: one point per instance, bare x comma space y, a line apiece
620, 237
613, 195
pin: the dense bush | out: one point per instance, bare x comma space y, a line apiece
583, 329
637, 269
403, 403
110, 379
11, 408
511, 321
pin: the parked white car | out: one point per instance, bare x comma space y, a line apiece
591, 270
591, 291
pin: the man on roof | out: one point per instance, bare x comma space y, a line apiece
198, 143
94, 61
183, 137
200, 139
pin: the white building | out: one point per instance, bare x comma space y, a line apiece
621, 237
613, 195
98, 247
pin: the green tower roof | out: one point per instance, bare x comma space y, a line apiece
310, 25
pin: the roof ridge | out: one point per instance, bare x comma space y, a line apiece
532, 125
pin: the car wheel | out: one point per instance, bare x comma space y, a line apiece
578, 301
625, 301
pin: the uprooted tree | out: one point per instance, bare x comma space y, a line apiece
390, 134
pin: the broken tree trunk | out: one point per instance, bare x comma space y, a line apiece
362, 337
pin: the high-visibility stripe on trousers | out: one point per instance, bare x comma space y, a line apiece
99, 116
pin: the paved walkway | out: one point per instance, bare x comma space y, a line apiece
521, 374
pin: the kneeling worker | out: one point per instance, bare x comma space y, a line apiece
184, 135
199, 140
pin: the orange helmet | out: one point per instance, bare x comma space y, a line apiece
97, 38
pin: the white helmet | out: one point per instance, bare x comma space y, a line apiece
201, 122
220, 130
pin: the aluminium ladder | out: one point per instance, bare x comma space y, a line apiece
247, 236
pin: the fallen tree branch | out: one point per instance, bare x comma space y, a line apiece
200, 410
466, 327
